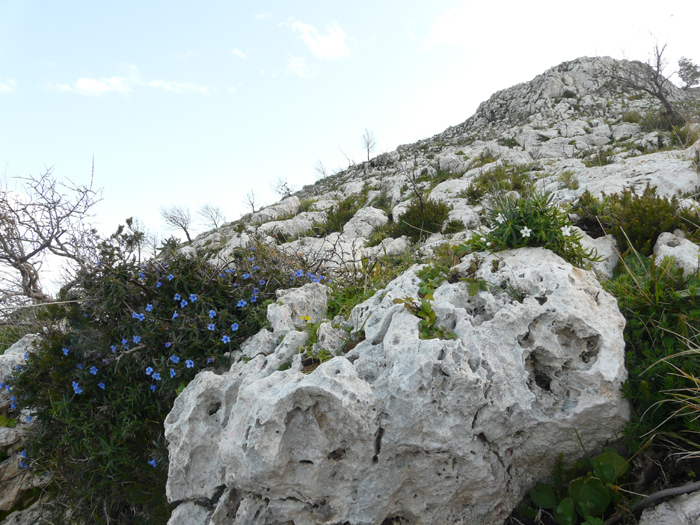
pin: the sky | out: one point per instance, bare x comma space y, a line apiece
194, 103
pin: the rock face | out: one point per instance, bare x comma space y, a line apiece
682, 510
14, 479
429, 430
684, 252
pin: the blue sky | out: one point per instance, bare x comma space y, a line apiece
185, 103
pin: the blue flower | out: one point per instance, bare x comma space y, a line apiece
26, 355
174, 359
193, 297
23, 453
159, 284
149, 371
29, 418
262, 282
113, 349
22, 464
153, 461
153, 387
101, 385
226, 339
124, 341
183, 303
12, 405
136, 338
189, 363
171, 277
255, 267
140, 317
76, 388
80, 366
234, 327
175, 316
149, 307
142, 275
167, 345
212, 314
65, 351
250, 259
241, 303
156, 376
211, 327
172, 373
93, 370
177, 297
253, 298
246, 276
299, 273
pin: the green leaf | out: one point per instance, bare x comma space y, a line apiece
543, 496
590, 520
590, 495
564, 513
609, 466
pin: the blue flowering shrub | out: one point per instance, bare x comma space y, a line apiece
117, 351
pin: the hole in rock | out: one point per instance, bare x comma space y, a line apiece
377, 445
306, 462
213, 408
541, 300
337, 454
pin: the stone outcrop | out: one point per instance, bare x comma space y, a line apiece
430, 430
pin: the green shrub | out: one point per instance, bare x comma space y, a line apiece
656, 120
340, 215
632, 117
421, 218
568, 94
454, 226
683, 136
530, 221
508, 142
114, 358
662, 309
599, 158
502, 178
636, 221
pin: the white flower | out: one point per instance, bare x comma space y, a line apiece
489, 243
500, 219
525, 232
566, 231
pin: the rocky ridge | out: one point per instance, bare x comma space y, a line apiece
440, 430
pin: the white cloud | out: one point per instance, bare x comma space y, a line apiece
239, 53
331, 45
7, 85
125, 85
300, 66
261, 16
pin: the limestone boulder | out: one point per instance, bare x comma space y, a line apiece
286, 208
681, 510
364, 222
454, 428
684, 252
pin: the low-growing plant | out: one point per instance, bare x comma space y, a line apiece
635, 220
340, 215
114, 355
421, 218
508, 142
485, 157
655, 120
662, 310
568, 179
585, 497
684, 136
633, 117
502, 178
532, 220
601, 157
454, 226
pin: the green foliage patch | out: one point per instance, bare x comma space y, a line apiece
112, 361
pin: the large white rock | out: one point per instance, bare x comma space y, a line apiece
435, 430
684, 252
286, 208
364, 222
682, 510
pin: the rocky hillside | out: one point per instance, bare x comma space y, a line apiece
404, 381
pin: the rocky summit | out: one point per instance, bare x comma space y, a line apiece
395, 428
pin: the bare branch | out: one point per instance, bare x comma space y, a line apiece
251, 201
213, 215
368, 142
282, 187
178, 218
43, 217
